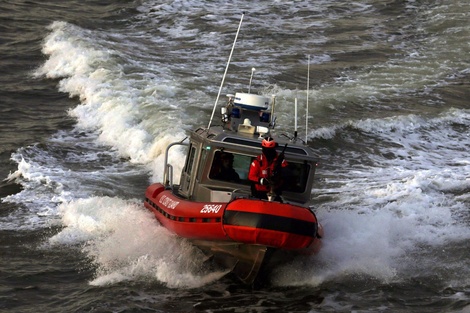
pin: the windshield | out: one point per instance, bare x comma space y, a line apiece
234, 168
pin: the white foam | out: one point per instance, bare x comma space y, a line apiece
378, 213
379, 210
42, 192
374, 243
126, 243
112, 104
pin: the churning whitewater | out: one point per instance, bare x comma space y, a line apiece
392, 188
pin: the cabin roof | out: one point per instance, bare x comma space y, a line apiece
217, 136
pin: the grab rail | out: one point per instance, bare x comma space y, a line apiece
168, 168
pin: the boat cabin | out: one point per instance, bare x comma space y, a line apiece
219, 157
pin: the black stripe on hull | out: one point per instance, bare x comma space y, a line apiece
271, 222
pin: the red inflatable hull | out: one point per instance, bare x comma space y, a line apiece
244, 221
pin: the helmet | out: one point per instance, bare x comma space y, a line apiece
268, 142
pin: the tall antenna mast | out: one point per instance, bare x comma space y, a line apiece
251, 78
295, 118
306, 107
225, 73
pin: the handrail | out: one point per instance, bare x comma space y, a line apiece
168, 168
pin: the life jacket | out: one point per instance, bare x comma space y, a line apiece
262, 168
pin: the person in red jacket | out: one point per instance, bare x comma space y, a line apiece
265, 171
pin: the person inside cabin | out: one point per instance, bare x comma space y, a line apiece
265, 171
223, 167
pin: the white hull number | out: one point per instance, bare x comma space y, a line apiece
211, 208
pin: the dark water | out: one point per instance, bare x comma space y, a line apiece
93, 91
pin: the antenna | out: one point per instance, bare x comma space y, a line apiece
306, 107
251, 78
226, 69
272, 121
295, 118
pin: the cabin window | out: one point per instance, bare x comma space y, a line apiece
234, 168
242, 165
295, 176
203, 161
230, 167
190, 161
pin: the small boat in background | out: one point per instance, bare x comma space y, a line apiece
219, 213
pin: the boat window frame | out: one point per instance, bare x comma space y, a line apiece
304, 172
303, 168
202, 162
256, 144
243, 181
190, 159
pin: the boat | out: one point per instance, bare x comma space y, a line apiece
219, 214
